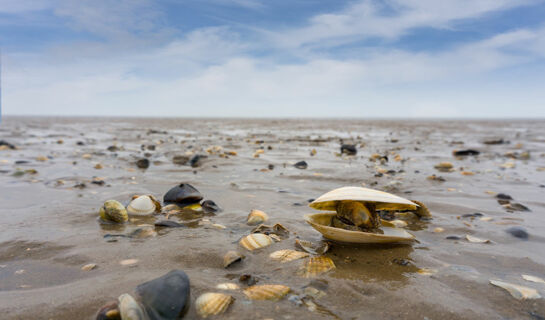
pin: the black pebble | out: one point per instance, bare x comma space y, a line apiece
301, 165
5, 143
472, 215
518, 232
168, 224
467, 152
196, 160
503, 196
349, 149
166, 297
453, 238
142, 163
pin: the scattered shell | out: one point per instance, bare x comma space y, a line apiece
422, 210
486, 219
109, 311
309, 247
444, 166
426, 271
533, 278
317, 265
267, 292
113, 211
212, 303
98, 166
144, 232
88, 267
128, 262
256, 217
143, 205
256, 241
42, 158
288, 255
130, 309
398, 223
438, 230
278, 230
473, 239
518, 292
228, 286
467, 173
231, 257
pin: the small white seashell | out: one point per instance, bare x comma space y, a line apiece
256, 217
228, 286
518, 292
88, 267
212, 303
128, 262
438, 230
532, 278
130, 309
256, 241
398, 223
473, 239
142, 205
486, 219
288, 255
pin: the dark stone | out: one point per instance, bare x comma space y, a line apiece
503, 196
209, 206
517, 207
472, 215
271, 166
453, 238
80, 143
180, 160
503, 202
142, 163
248, 279
167, 297
22, 162
349, 149
183, 194
301, 165
7, 144
196, 160
80, 185
297, 204
168, 224
113, 148
98, 182
496, 141
151, 147
518, 232
467, 152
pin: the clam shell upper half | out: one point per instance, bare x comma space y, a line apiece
382, 200
321, 222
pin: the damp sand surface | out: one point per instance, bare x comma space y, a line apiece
49, 226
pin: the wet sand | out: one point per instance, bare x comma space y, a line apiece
49, 227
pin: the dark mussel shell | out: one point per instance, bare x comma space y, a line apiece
109, 311
182, 194
166, 297
210, 206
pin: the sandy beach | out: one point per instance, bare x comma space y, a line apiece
63, 169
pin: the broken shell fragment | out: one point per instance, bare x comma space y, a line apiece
256, 217
444, 167
518, 292
276, 230
398, 223
110, 311
256, 241
533, 278
228, 286
113, 211
287, 255
422, 211
473, 239
309, 247
130, 309
317, 265
267, 292
212, 303
231, 257
143, 205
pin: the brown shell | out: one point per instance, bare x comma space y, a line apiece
422, 210
317, 265
288, 255
212, 303
231, 257
267, 292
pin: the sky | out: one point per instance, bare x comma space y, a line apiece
276, 58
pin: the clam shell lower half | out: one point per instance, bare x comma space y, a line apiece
382, 200
321, 222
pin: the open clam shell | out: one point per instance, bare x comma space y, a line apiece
267, 292
256, 241
143, 205
315, 266
212, 303
321, 222
382, 200
288, 255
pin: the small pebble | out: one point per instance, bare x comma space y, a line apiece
518, 232
142, 163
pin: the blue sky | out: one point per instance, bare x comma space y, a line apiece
257, 58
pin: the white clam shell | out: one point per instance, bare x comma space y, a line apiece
142, 205
256, 217
130, 309
212, 303
256, 241
287, 255
382, 200
321, 222
518, 292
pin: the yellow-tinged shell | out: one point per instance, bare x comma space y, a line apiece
143, 205
382, 200
288, 255
114, 211
256, 217
398, 223
317, 265
231, 257
322, 221
256, 241
422, 210
130, 309
228, 286
212, 303
518, 292
267, 292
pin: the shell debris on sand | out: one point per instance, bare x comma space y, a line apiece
315, 266
128, 262
212, 303
130, 309
288, 255
89, 267
518, 292
256, 241
256, 217
473, 239
533, 278
143, 205
266, 292
228, 286
231, 257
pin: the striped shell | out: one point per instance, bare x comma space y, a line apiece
231, 257
382, 200
256, 241
316, 266
114, 211
130, 309
212, 303
256, 217
267, 292
288, 255
322, 222
143, 205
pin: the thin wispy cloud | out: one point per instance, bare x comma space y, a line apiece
360, 59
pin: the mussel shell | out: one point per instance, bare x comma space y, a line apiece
266, 292
209, 206
109, 311
182, 194
321, 222
114, 211
166, 297
382, 200
256, 241
130, 309
212, 303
